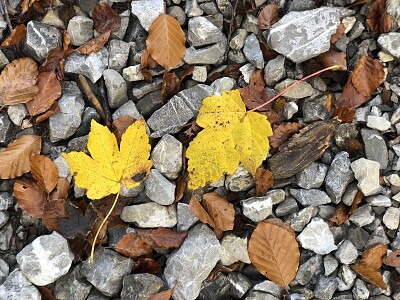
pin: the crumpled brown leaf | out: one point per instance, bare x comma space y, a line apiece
393, 259
95, 44
45, 172
331, 58
378, 19
268, 16
254, 94
370, 275
263, 180
105, 18
283, 132
18, 35
373, 257
344, 114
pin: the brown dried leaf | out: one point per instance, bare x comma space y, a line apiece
338, 34
341, 214
350, 97
197, 210
18, 35
163, 237
244, 6
367, 75
95, 44
357, 200
170, 86
51, 111
263, 180
54, 63
332, 58
166, 41
29, 197
18, 81
378, 19
105, 18
344, 114
120, 125
45, 172
15, 159
187, 72
268, 16
273, 117
66, 42
220, 211
370, 275
146, 265
61, 190
267, 52
46, 293
52, 211
274, 252
280, 223
133, 246
373, 257
146, 61
393, 259
164, 295
254, 94
283, 132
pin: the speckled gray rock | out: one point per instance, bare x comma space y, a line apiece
379, 200
252, 51
218, 288
159, 189
185, 217
269, 287
127, 109
375, 147
391, 218
362, 216
4, 270
192, 9
239, 284
46, 259
303, 35
143, 88
346, 278
119, 53
222, 84
149, 215
314, 109
4, 216
234, 249
134, 73
6, 128
63, 125
41, 39
311, 197
202, 32
330, 264
247, 70
300, 219
167, 156
206, 55
6, 233
17, 113
140, 286
367, 173
257, 208
238, 39
378, 123
194, 96
360, 290
116, 88
72, 286
287, 207
275, 71
191, 264
301, 90
307, 270
346, 252
107, 271
312, 177
317, 237
325, 287
18, 287
170, 117
80, 29
240, 181
390, 43
91, 66
147, 11
6, 200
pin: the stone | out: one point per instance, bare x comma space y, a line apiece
96, 295
4, 216
367, 174
287, 207
6, 129
147, 11
64, 124
62, 166
6, 233
250, 24
91, 66
170, 118
193, 96
358, 236
6, 200
150, 103
301, 90
89, 114
202, 32
257, 208
127, 109
46, 259
140, 286
257, 295
80, 29
72, 286
222, 84
303, 35
379, 200
119, 53
234, 249
290, 110
199, 73
131, 192
317, 237
192, 9
40, 40
3, 60
360, 290
177, 13
312, 177
311, 197
391, 218
308, 269
210, 8
378, 123
346, 278
79, 144
167, 156
346, 252
269, 287
362, 216
275, 71
18, 287
338, 177
107, 272
202, 247
330, 264
239, 284
325, 287
276, 195
314, 109
252, 51
389, 42
116, 88
121, 31
375, 147
17, 113
134, 73
241, 180
301, 218
149, 215
247, 70
238, 39
185, 217
206, 55
159, 189
217, 289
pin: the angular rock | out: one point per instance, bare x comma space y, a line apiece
119, 53
167, 156
257, 208
346, 252
240, 181
6, 234
312, 197
18, 287
192, 9
239, 284
307, 270
216, 289
4, 216
202, 247
234, 249
390, 43
6, 200
287, 207
149, 215
140, 286
247, 70
312, 177
72, 286
120, 32
360, 290
252, 51
116, 88
325, 287
301, 219
314, 109
290, 109
346, 277
127, 109
185, 217
206, 55
367, 173
379, 200
89, 114
150, 103
238, 39
301, 90
250, 24
107, 271
330, 264
80, 29
194, 96
362, 216
147, 11
6, 129
375, 147
134, 73
378, 123
46, 259
391, 218
269, 287
222, 84
17, 113
275, 71
178, 13
303, 35
317, 237
202, 32
159, 189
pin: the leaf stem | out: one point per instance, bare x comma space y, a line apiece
335, 67
101, 226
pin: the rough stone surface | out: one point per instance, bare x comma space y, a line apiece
307, 270
46, 259
206, 55
159, 189
18, 287
269, 287
150, 215
287, 207
362, 216
367, 173
140, 286
116, 88
6, 128
17, 113
185, 218
360, 290
325, 287
127, 109
202, 32
234, 249
301, 90
390, 43
301, 218
241, 180
312, 197
239, 284
119, 53
257, 208
191, 264
72, 286
378, 123
346, 252
147, 11
167, 156
375, 147
217, 289
330, 264
317, 237
275, 71
238, 39
314, 109
391, 218
107, 271
80, 29
312, 177
252, 51
6, 200
194, 96
379, 200
303, 35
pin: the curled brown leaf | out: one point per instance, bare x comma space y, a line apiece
378, 19
268, 16
105, 18
95, 44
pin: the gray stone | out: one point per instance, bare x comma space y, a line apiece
358, 236
395, 118
41, 39
149, 215
311, 197
131, 192
375, 147
177, 13
225, 7
210, 8
301, 90
6, 233
140, 286
360, 290
116, 88
330, 264
18, 287
378, 123
147, 11
217, 289
194, 96
150, 103
191, 264
239, 284
46, 259
307, 270
206, 55
275, 71
80, 29
250, 24
301, 218
4, 271
236, 56
127, 109
269, 287
317, 237
362, 216
314, 109
3, 60
301, 5
64, 124
170, 117
72, 286
222, 84
119, 53
17, 113
120, 32
257, 295
346, 252
134, 73
367, 173
393, 9
325, 287
89, 114
6, 200
192, 9
167, 156
238, 39
79, 144
200, 72
202, 32
247, 70
241, 180
287, 207
338, 177
379, 200
390, 42
159, 189
257, 208
391, 218
234, 249
91, 66
252, 51
185, 217
6, 129
107, 271
277, 195
62, 167
312, 177
4, 216
346, 278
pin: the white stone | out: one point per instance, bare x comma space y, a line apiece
257, 208
200, 73
147, 11
391, 218
367, 174
234, 249
317, 237
378, 123
149, 215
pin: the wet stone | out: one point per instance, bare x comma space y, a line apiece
346, 252
72, 286
367, 174
317, 237
234, 249
140, 286
239, 284
325, 287
312, 177
18, 287
159, 189
257, 208
362, 216
311, 197
202, 32
217, 289
167, 156
252, 51
80, 29
88, 115
375, 147
185, 217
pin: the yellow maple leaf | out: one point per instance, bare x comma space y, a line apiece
230, 136
109, 167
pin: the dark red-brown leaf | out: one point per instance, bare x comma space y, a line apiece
378, 19
105, 18
133, 246
95, 44
268, 16
254, 94
263, 180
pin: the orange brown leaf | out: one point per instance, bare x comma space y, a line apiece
393, 259
220, 211
164, 295
370, 275
283, 132
345, 114
268, 16
133, 246
18, 35
332, 58
95, 44
378, 19
367, 75
29, 197
105, 18
373, 257
254, 94
197, 210
120, 125
264, 180
45, 172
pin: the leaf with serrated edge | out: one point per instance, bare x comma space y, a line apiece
370, 275
274, 252
45, 172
